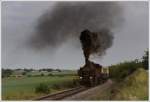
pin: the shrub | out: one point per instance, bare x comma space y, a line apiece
145, 60
67, 84
24, 73
50, 74
56, 86
6, 72
121, 70
71, 84
42, 88
42, 74
76, 82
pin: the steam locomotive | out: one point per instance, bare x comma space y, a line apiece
92, 74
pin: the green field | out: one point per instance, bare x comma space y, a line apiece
23, 88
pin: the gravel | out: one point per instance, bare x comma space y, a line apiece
91, 93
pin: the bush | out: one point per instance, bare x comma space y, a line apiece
42, 74
66, 84
71, 84
50, 74
42, 88
24, 73
76, 82
121, 70
145, 60
56, 86
6, 72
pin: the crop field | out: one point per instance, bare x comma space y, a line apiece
24, 87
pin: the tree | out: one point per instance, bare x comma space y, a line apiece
58, 70
49, 70
24, 73
28, 70
6, 72
145, 60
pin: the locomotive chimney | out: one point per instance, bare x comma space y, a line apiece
86, 43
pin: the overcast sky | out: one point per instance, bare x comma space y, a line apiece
20, 18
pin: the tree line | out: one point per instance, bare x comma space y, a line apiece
7, 72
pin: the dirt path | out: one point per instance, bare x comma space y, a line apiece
93, 93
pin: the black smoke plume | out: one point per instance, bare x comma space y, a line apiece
95, 42
67, 20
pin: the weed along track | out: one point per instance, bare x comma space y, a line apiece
63, 94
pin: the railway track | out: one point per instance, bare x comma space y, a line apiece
63, 94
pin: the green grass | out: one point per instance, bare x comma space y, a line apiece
24, 87
134, 87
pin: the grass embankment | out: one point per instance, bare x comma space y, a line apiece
23, 88
133, 87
